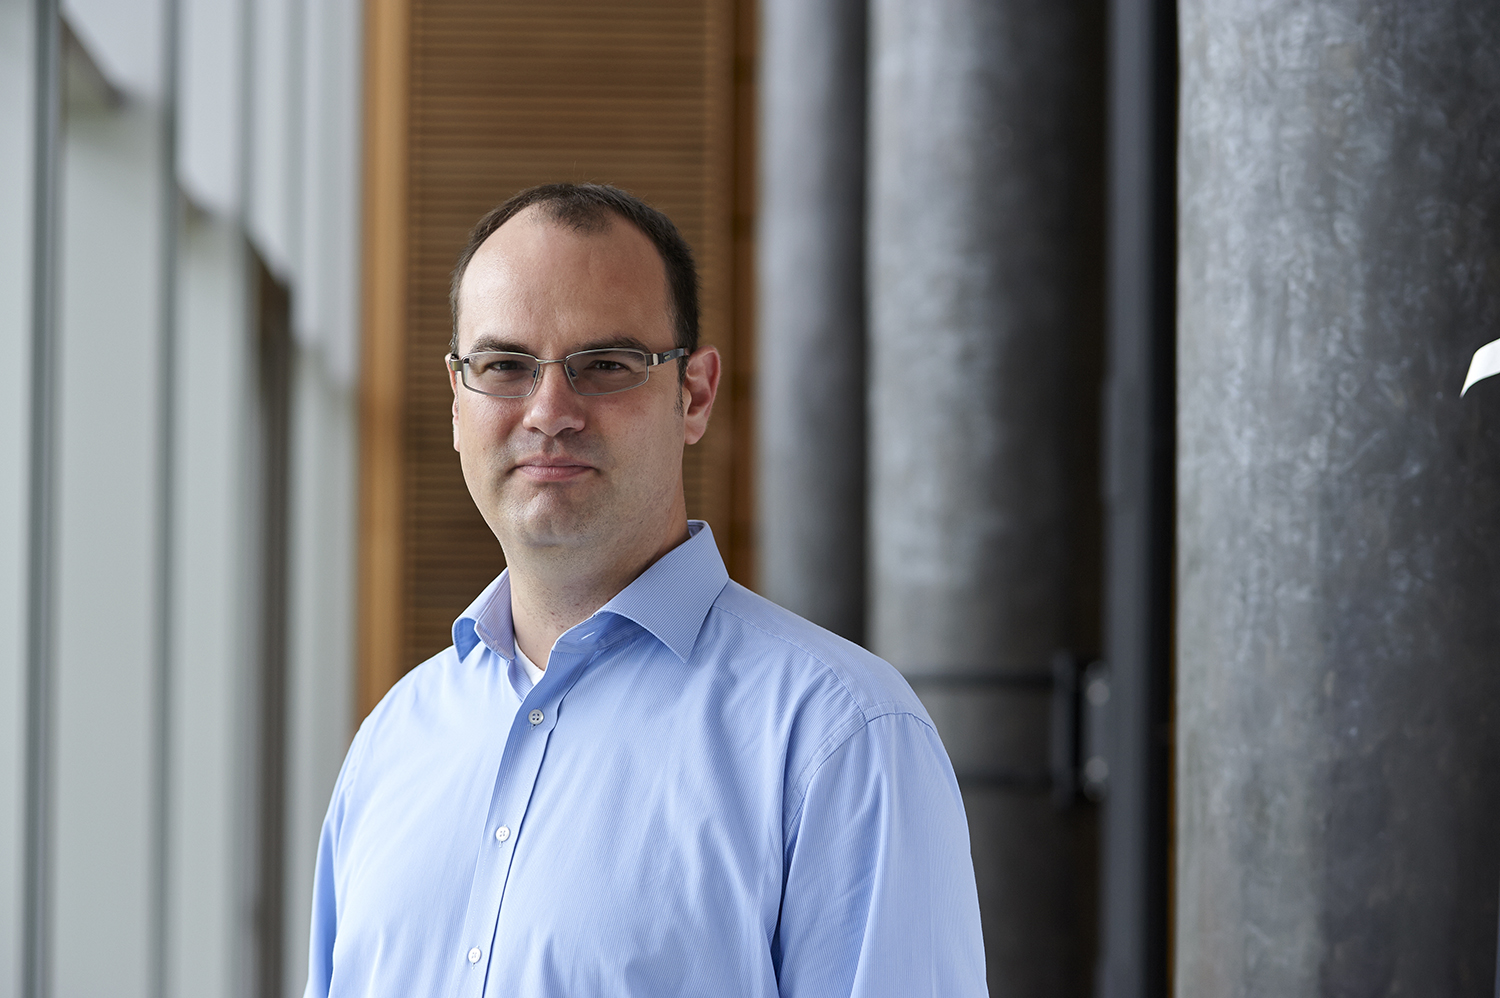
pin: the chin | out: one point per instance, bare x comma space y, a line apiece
545, 524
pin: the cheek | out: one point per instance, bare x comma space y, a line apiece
477, 435
663, 453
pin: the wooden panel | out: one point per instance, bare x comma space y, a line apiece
382, 521
738, 535
647, 95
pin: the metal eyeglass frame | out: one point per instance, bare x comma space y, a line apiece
458, 366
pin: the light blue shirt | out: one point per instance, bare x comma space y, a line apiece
704, 795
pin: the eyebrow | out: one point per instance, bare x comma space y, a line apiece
485, 343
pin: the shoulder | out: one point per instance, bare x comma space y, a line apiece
809, 654
823, 689
431, 680
831, 697
423, 692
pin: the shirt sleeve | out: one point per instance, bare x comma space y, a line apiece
325, 907
879, 899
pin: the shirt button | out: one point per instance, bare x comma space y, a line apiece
535, 717
502, 833
474, 955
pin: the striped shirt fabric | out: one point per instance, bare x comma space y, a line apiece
703, 794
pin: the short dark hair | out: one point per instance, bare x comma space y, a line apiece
587, 208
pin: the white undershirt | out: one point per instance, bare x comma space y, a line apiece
532, 672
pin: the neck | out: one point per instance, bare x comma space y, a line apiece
552, 590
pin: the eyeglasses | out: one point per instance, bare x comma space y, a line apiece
506, 375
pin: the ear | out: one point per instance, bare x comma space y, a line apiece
453, 383
699, 388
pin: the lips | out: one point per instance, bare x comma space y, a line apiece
544, 468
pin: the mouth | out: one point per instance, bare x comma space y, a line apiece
551, 469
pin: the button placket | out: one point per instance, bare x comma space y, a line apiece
520, 766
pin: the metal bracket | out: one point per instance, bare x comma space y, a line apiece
1080, 715
1095, 742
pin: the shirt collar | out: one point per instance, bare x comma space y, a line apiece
487, 619
670, 599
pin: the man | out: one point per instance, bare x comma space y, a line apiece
629, 776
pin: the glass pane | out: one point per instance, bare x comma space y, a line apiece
500, 373
598, 372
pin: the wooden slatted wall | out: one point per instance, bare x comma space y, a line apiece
468, 102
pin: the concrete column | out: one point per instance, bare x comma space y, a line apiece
1338, 700
986, 155
811, 307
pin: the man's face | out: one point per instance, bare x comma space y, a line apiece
601, 474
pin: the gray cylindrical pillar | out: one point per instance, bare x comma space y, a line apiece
984, 289
1338, 640
811, 307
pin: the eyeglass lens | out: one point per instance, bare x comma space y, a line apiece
591, 372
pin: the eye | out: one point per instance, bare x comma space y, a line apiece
495, 363
608, 363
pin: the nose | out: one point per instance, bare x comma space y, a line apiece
553, 406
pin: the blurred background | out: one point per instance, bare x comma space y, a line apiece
1096, 362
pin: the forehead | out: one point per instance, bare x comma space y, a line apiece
535, 278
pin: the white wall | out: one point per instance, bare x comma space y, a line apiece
157, 667
109, 318
17, 124
213, 693
320, 681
